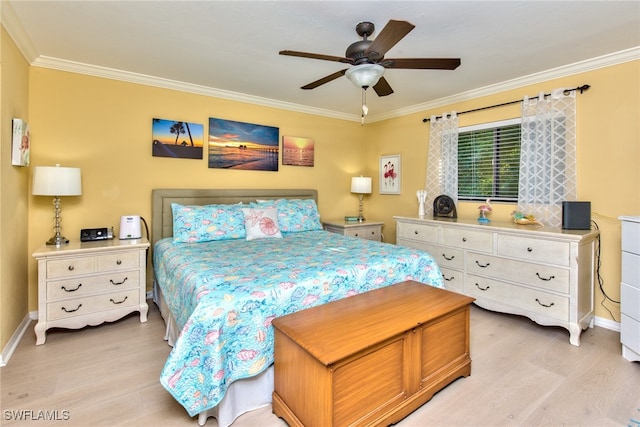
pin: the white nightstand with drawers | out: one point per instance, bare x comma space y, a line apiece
369, 230
89, 283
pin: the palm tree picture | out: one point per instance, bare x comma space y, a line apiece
177, 139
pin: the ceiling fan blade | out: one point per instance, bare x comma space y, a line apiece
324, 80
382, 88
316, 56
391, 34
422, 63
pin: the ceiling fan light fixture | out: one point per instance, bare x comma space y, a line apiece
365, 75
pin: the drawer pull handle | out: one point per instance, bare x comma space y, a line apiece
481, 288
464, 239
447, 258
483, 266
544, 305
546, 280
71, 311
448, 279
118, 302
529, 249
70, 268
415, 232
118, 283
118, 262
71, 290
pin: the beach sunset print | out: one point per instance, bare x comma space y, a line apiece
176, 139
297, 151
238, 145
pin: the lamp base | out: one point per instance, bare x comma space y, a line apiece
58, 241
361, 219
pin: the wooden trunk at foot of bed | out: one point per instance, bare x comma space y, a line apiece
370, 359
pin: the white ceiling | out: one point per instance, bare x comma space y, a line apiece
230, 48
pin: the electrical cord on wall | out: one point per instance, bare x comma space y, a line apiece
600, 280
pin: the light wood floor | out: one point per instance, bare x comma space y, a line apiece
522, 375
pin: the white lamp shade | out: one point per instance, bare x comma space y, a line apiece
365, 75
56, 181
361, 184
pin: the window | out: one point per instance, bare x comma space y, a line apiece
489, 161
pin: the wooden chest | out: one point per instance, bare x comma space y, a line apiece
370, 359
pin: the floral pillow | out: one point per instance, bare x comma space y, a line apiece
261, 222
192, 224
295, 215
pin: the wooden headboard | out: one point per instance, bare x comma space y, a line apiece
162, 217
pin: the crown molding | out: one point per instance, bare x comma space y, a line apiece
143, 79
564, 71
11, 23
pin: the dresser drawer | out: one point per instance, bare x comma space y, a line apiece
82, 286
534, 250
630, 333
369, 233
631, 236
453, 279
531, 300
421, 232
92, 304
118, 261
538, 275
630, 301
446, 257
631, 269
69, 267
467, 239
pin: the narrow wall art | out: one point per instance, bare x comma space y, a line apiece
20, 143
246, 146
177, 139
297, 151
390, 174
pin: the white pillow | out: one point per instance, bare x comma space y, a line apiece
261, 223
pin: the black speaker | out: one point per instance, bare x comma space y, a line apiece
576, 215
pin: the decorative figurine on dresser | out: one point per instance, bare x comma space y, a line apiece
89, 283
484, 210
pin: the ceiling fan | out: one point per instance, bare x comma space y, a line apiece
369, 63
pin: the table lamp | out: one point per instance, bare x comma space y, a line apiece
361, 185
56, 181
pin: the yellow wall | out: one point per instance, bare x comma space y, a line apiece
608, 157
14, 254
104, 127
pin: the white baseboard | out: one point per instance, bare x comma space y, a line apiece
13, 342
606, 323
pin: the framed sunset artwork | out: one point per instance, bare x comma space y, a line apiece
297, 151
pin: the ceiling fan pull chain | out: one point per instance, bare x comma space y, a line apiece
365, 109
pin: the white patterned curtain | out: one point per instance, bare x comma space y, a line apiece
548, 156
442, 161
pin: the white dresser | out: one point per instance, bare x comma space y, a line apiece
546, 274
88, 283
630, 288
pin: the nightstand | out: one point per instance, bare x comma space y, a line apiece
370, 230
89, 283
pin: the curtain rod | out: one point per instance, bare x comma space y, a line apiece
566, 91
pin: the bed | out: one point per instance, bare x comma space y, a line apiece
221, 280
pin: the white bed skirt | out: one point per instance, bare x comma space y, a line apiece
242, 396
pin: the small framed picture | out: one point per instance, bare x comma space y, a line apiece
21, 144
390, 174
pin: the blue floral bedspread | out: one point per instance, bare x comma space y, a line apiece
225, 294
